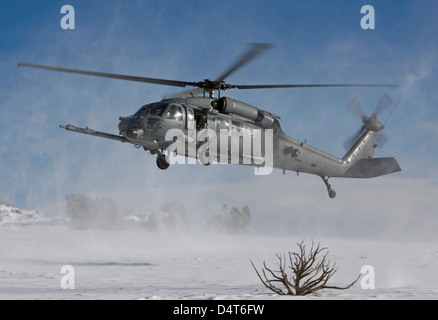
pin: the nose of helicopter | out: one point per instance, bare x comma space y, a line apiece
123, 125
130, 127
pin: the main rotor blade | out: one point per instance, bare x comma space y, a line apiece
264, 86
165, 82
255, 50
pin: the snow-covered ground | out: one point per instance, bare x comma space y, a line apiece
136, 264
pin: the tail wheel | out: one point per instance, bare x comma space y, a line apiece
331, 192
204, 158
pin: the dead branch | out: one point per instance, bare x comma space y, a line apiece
309, 273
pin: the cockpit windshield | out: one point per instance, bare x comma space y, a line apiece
142, 110
153, 109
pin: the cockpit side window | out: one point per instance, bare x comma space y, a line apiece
190, 119
222, 123
174, 113
237, 126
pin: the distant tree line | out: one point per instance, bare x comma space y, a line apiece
84, 212
235, 221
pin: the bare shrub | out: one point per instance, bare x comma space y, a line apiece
309, 272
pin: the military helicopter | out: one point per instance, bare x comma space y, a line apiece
208, 123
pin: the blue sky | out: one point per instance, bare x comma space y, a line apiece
314, 42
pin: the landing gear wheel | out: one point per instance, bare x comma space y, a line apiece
205, 160
331, 192
162, 163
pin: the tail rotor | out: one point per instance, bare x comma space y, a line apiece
368, 123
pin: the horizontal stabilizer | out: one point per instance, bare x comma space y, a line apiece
370, 168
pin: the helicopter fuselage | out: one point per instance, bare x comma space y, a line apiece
232, 132
193, 118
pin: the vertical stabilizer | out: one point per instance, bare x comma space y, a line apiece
361, 163
363, 148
